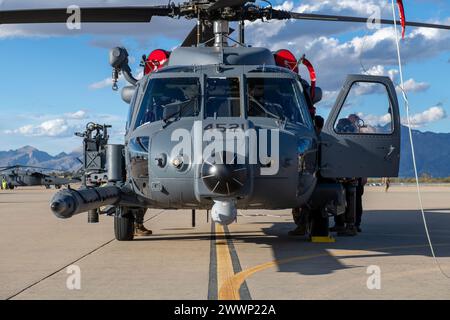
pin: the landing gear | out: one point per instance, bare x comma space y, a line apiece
123, 225
93, 216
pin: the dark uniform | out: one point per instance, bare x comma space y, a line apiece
359, 207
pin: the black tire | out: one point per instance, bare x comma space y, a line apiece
123, 228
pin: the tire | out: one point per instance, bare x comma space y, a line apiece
123, 228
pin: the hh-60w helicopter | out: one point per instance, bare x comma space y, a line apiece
220, 127
27, 176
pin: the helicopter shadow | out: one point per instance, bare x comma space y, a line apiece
385, 233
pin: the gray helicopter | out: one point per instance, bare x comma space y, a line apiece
218, 127
27, 176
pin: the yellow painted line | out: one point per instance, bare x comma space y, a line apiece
234, 283
225, 269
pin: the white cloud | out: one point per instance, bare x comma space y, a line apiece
50, 128
412, 86
107, 82
375, 120
64, 126
430, 115
334, 58
78, 115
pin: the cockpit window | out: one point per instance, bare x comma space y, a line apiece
222, 97
169, 98
277, 98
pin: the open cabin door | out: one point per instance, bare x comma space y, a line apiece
361, 137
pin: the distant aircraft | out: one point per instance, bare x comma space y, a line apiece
25, 176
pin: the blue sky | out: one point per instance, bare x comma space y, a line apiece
54, 81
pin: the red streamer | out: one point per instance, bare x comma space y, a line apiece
401, 10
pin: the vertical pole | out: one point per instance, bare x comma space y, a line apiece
242, 31
193, 218
199, 30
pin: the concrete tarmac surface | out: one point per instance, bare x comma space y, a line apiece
251, 259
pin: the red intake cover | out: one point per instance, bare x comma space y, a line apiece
286, 59
156, 60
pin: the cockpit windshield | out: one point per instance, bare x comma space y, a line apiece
277, 98
169, 97
222, 97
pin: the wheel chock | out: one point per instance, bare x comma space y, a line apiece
327, 239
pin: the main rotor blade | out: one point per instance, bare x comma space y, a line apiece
324, 17
206, 34
100, 14
228, 3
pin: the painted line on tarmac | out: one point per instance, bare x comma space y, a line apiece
244, 292
234, 283
224, 264
73, 262
212, 285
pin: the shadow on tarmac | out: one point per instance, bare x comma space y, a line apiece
387, 233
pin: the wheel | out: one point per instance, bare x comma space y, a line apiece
57, 186
123, 228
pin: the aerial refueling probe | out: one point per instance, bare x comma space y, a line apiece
69, 202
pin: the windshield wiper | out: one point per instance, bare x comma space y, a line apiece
277, 116
177, 114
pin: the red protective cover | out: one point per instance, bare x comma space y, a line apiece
156, 60
286, 59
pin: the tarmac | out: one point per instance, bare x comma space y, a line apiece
251, 259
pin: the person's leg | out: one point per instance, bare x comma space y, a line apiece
350, 212
359, 208
300, 216
139, 229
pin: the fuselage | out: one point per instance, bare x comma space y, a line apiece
230, 125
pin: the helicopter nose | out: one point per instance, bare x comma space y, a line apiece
223, 178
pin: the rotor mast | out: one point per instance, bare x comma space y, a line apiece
221, 30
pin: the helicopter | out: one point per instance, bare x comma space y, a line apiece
220, 127
26, 176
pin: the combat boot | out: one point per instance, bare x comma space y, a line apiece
349, 231
141, 231
337, 228
299, 231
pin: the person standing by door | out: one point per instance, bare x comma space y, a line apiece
359, 207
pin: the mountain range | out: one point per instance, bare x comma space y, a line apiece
432, 151
432, 155
30, 156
